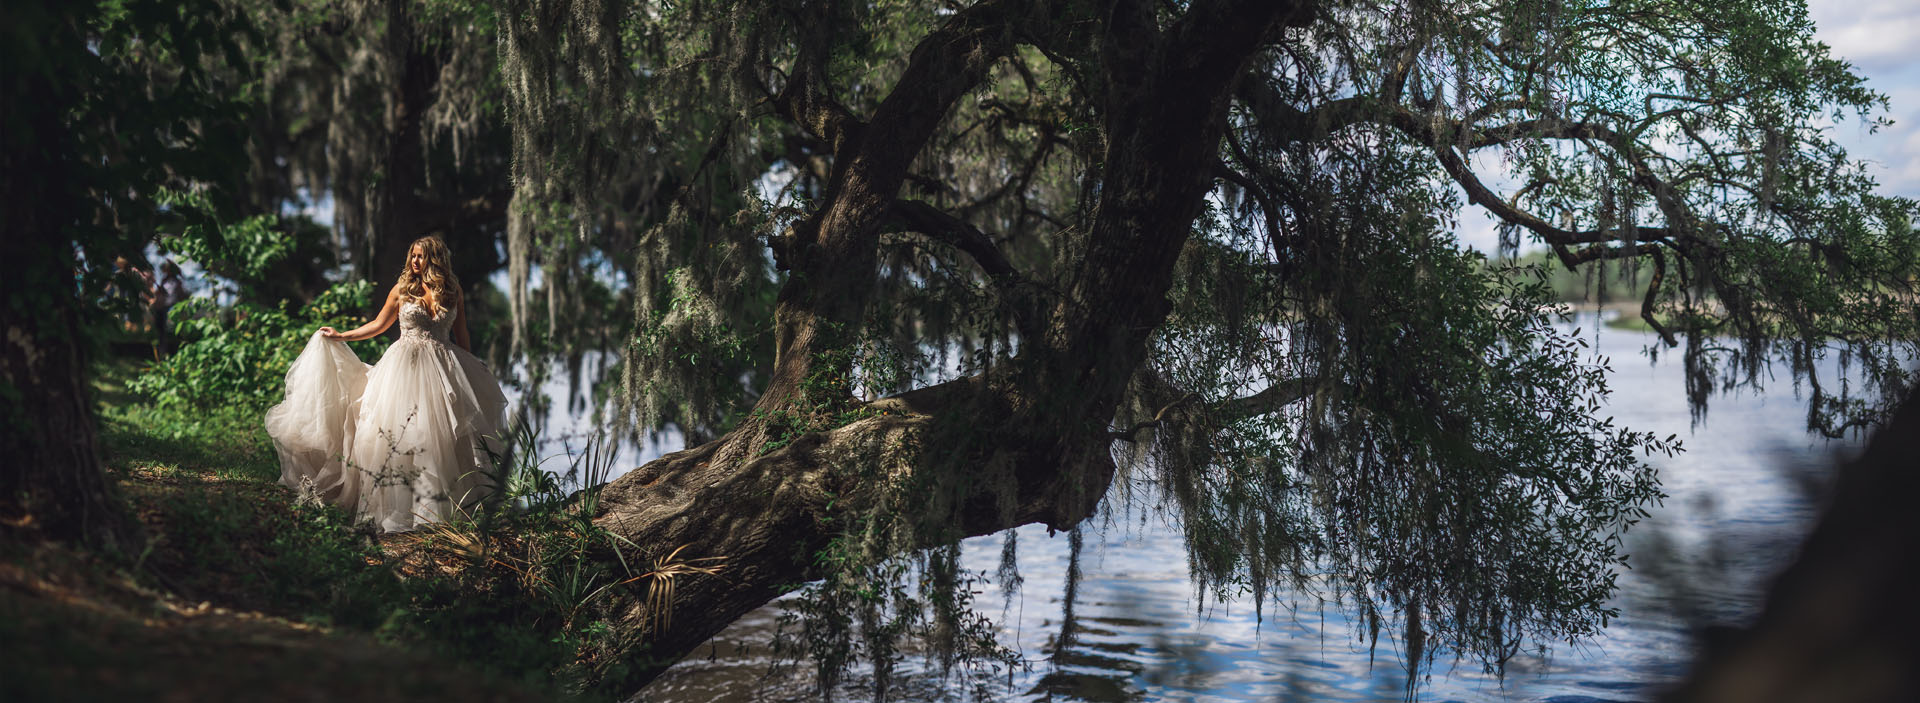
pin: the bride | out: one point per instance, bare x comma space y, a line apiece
398, 443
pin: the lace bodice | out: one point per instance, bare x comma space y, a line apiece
416, 323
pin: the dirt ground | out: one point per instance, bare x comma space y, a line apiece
75, 629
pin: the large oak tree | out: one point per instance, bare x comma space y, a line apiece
1021, 248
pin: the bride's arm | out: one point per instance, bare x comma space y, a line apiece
460, 335
380, 323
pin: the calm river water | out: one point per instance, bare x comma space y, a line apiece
1739, 499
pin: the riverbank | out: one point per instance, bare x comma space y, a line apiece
241, 592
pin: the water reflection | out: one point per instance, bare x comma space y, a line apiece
565, 418
1107, 612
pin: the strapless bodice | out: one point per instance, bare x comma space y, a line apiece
417, 323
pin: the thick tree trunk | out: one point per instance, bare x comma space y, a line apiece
409, 208
965, 458
53, 477
768, 515
406, 166
50, 473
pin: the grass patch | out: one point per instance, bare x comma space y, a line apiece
1632, 322
525, 591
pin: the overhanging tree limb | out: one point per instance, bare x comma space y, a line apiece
1479, 194
919, 216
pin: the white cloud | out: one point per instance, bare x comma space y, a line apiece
322, 212
1876, 36
1881, 38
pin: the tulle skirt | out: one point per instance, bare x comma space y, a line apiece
401, 443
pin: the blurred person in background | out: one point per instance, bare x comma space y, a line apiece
171, 290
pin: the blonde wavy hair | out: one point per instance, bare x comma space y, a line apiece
437, 277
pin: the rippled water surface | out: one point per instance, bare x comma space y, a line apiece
1740, 497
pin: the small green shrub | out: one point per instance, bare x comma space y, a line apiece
238, 356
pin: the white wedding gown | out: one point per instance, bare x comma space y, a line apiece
399, 443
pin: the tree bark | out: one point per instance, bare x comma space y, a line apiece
50, 471
53, 476
406, 165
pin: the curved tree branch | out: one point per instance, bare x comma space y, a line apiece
1479, 194
919, 216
